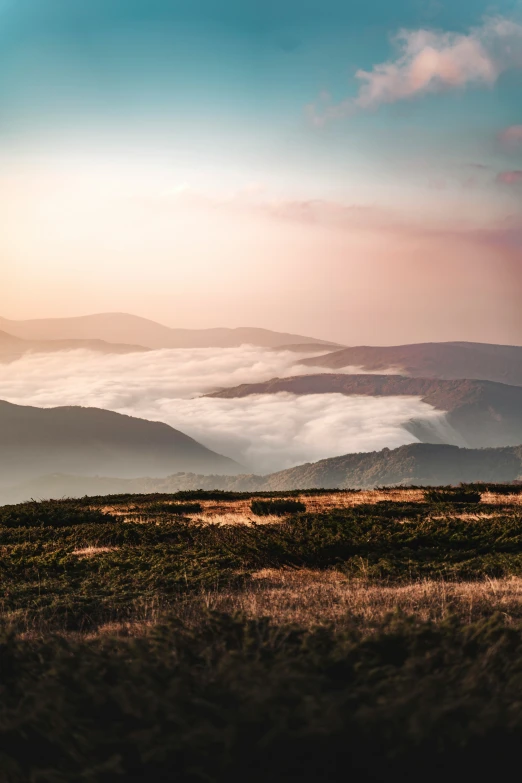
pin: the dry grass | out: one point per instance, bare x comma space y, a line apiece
501, 500
234, 512
236, 518
238, 511
91, 551
310, 597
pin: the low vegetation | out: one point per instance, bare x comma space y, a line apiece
358, 636
278, 508
453, 495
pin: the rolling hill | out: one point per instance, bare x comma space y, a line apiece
306, 347
479, 413
12, 347
92, 441
416, 464
479, 361
125, 328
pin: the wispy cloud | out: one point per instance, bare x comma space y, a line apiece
431, 61
510, 177
511, 137
370, 218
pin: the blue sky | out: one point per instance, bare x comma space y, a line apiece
235, 77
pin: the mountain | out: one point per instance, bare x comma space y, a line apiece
420, 464
479, 413
12, 347
124, 328
417, 464
91, 441
480, 361
306, 347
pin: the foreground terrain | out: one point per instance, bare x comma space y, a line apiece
212, 637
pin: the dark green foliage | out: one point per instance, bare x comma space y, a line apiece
452, 495
50, 514
278, 508
196, 494
176, 509
498, 489
234, 700
163, 556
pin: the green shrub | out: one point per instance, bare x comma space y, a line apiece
278, 508
51, 514
177, 509
452, 495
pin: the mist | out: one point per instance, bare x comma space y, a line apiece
264, 433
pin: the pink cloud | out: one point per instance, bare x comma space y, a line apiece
350, 218
431, 61
510, 177
511, 137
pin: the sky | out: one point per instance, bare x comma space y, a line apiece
347, 170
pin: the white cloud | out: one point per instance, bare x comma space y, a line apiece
264, 432
273, 432
430, 61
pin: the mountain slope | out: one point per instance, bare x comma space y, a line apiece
307, 347
420, 464
482, 413
91, 441
125, 328
12, 347
480, 361
417, 464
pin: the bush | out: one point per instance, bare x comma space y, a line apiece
177, 509
452, 495
51, 514
278, 508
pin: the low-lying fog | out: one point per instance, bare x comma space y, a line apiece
264, 433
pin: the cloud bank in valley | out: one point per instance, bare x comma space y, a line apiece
264, 433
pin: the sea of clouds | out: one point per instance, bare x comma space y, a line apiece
265, 433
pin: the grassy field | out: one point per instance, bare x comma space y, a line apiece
186, 638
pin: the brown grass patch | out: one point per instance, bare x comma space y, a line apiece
236, 512
309, 597
91, 551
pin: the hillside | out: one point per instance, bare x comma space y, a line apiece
479, 413
480, 361
306, 347
416, 464
12, 347
125, 328
91, 441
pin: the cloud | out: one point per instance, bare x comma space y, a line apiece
432, 61
264, 433
510, 177
373, 219
511, 137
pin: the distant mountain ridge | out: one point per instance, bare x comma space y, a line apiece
480, 413
306, 347
126, 328
92, 441
12, 347
416, 464
475, 361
